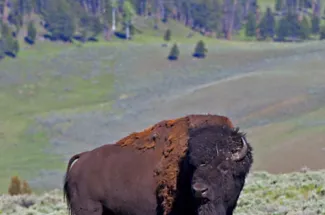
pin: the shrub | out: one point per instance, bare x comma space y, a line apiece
200, 50
174, 53
25, 189
16, 188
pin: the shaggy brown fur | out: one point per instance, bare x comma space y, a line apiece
173, 136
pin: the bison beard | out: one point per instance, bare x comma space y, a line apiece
210, 209
162, 169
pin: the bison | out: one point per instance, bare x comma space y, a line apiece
196, 164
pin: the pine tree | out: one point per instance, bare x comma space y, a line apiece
304, 30
278, 5
315, 25
31, 32
15, 47
167, 35
174, 53
282, 30
200, 50
250, 25
95, 27
61, 19
16, 14
322, 33
2, 51
294, 26
10, 43
267, 25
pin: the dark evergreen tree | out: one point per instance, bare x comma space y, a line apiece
16, 15
279, 5
293, 24
282, 30
288, 26
167, 35
10, 45
60, 20
31, 32
200, 50
315, 25
206, 15
132, 29
2, 51
15, 47
174, 53
96, 26
267, 25
250, 29
304, 30
322, 33
84, 35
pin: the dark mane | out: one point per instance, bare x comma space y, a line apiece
233, 131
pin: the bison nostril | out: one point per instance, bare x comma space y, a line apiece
199, 189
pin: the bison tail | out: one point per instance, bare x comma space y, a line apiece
66, 187
66, 194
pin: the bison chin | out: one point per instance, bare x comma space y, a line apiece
211, 209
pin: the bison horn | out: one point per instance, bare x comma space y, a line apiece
242, 153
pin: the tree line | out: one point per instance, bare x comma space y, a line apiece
291, 26
84, 20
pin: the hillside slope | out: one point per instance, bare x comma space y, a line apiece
60, 100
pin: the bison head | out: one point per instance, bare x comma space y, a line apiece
215, 154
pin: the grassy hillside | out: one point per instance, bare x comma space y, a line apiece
266, 3
60, 99
296, 193
280, 105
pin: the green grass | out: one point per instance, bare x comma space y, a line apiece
266, 3
22, 152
